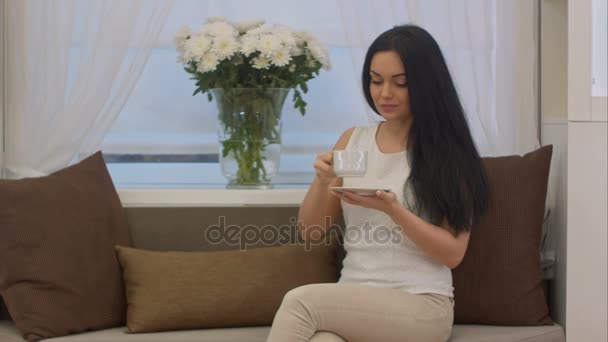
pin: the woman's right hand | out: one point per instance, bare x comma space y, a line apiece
324, 168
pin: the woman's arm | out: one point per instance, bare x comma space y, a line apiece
439, 242
320, 209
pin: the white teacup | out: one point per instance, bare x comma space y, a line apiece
349, 163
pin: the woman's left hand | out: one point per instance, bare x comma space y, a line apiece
384, 201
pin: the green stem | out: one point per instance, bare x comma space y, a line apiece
250, 119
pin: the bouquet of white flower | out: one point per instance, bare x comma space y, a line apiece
249, 68
250, 55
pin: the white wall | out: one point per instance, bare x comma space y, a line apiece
554, 130
574, 121
587, 264
556, 133
586, 286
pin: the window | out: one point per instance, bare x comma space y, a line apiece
162, 117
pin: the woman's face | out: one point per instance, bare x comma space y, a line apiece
388, 86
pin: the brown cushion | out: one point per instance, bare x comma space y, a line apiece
59, 271
4, 315
499, 281
188, 290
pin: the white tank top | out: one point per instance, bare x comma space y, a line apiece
378, 253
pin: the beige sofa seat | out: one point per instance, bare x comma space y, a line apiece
461, 333
8, 333
490, 333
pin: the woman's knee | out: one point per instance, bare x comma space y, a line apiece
302, 293
326, 336
302, 298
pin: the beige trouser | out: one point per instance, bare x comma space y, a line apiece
358, 313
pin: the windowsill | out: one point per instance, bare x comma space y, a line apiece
173, 197
202, 185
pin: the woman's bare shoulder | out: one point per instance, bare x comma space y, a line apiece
344, 138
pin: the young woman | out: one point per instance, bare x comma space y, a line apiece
397, 288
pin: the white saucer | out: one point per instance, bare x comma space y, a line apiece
360, 191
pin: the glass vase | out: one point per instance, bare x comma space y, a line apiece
249, 132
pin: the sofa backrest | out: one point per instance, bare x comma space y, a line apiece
195, 229
188, 229
185, 229
210, 229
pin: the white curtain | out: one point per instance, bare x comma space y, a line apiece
490, 48
70, 67
517, 65
72, 64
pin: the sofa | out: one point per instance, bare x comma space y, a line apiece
180, 229
498, 289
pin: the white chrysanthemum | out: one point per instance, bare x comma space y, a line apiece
208, 62
219, 29
276, 48
320, 53
318, 50
261, 62
181, 37
245, 26
249, 44
285, 35
281, 57
296, 50
268, 44
303, 37
225, 46
196, 47
216, 19
181, 56
258, 31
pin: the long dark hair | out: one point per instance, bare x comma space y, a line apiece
447, 178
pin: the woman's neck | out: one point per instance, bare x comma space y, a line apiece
396, 131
